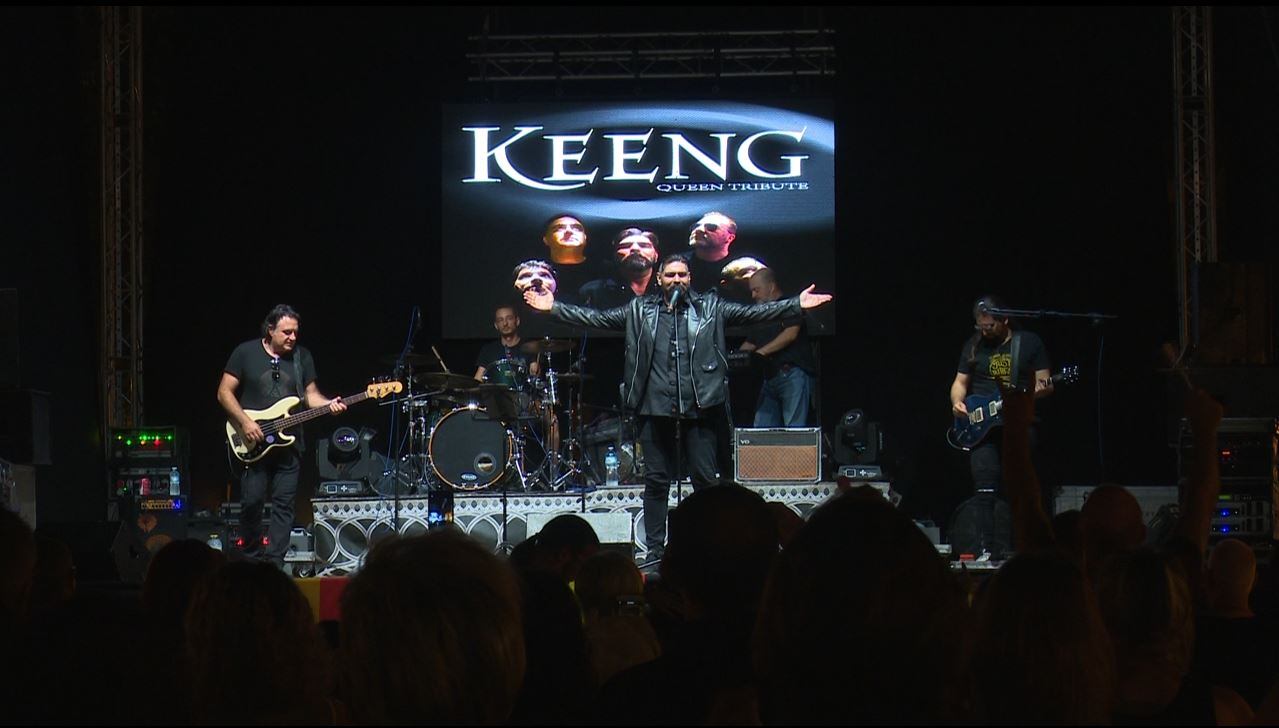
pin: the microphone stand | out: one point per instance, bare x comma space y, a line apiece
1097, 319
415, 318
575, 415
679, 405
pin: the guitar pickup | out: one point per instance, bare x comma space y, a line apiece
978, 416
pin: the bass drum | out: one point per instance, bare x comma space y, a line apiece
470, 449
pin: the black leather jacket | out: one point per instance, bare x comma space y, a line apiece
707, 316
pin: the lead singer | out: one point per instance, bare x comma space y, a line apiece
675, 378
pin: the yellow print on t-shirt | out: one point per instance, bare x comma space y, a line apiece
1001, 368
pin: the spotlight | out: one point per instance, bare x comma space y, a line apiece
344, 455
345, 440
857, 441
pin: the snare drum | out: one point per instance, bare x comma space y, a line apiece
470, 449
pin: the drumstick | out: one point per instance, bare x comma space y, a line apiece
441, 359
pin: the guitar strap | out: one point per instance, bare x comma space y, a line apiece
297, 374
1014, 350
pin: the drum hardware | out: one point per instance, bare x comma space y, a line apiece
420, 361
499, 434
445, 381
547, 346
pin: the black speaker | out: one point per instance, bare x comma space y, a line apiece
982, 523
10, 374
146, 526
91, 544
24, 426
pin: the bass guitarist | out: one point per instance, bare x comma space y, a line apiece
995, 356
259, 373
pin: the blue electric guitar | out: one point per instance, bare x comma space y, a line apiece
984, 413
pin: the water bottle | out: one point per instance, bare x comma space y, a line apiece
175, 482
215, 541
610, 467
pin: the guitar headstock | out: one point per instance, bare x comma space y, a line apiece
1068, 375
378, 390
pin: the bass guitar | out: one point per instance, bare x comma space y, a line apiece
275, 419
984, 413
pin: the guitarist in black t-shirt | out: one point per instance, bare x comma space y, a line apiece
259, 373
996, 356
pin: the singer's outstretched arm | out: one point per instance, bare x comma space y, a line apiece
611, 319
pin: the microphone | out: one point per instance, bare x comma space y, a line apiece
537, 285
677, 292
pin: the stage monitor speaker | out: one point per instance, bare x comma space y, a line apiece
612, 529
777, 454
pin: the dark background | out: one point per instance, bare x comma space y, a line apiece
293, 155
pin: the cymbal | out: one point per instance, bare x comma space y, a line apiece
442, 380
413, 360
553, 346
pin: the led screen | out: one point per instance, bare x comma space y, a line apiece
583, 186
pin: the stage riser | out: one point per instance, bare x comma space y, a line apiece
343, 527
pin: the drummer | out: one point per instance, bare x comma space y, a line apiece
502, 360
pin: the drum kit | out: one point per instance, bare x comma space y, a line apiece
503, 433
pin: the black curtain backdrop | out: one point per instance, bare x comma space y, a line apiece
292, 155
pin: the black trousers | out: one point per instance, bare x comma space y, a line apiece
993, 531
662, 465
986, 460
278, 471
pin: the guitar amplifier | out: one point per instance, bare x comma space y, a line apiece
777, 454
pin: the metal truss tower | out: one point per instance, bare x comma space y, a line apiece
1196, 234
619, 56
121, 206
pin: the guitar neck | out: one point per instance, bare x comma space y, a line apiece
299, 418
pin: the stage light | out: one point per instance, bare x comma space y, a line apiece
345, 440
857, 441
345, 456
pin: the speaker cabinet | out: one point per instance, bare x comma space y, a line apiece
777, 454
24, 426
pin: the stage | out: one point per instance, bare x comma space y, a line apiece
343, 527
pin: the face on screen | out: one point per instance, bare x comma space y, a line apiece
566, 238
534, 276
711, 235
636, 252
